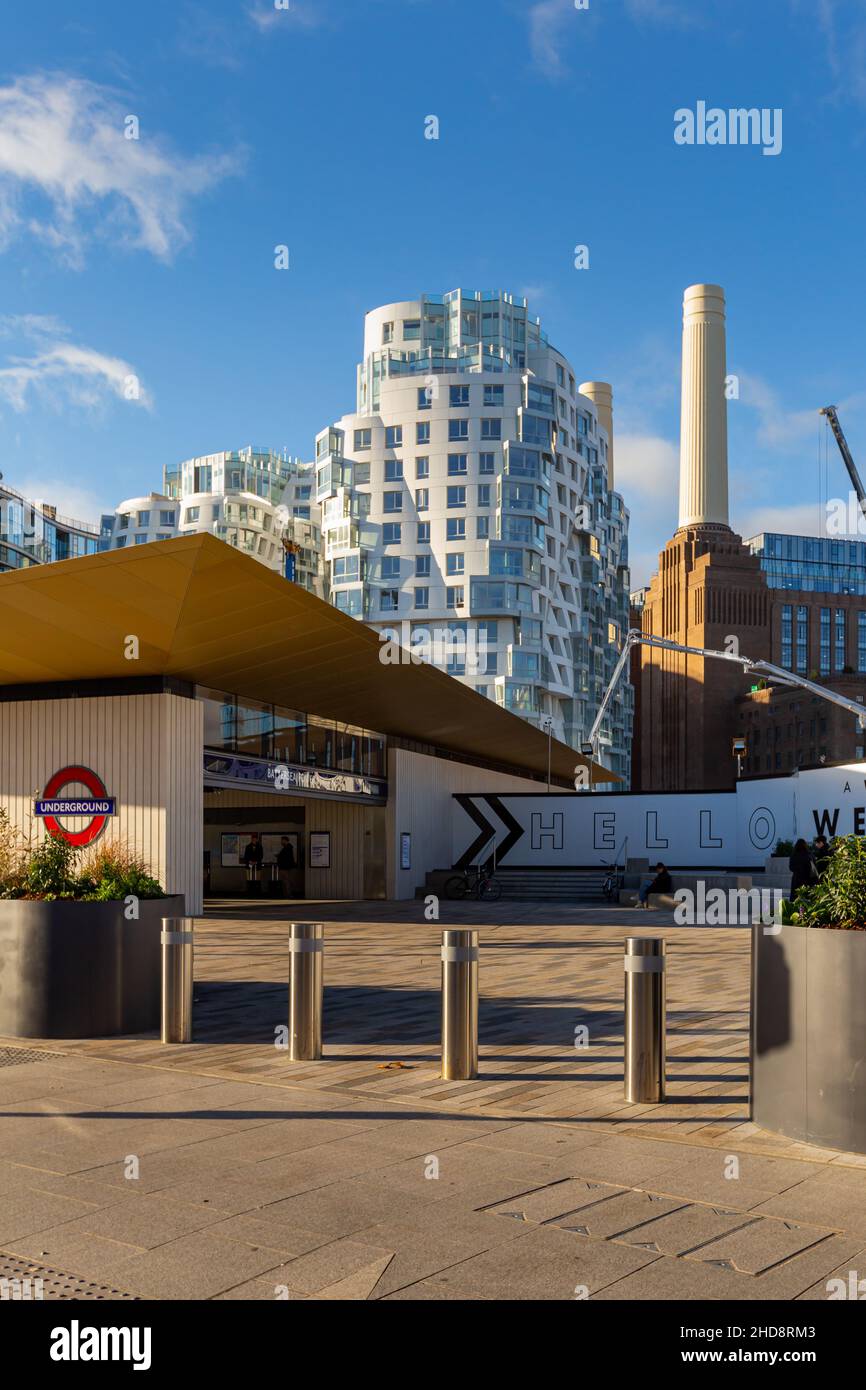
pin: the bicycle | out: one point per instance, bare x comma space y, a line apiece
483, 886
612, 883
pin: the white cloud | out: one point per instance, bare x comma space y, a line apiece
660, 11
778, 428
75, 503
646, 472
300, 14
798, 519
68, 174
546, 31
56, 371
549, 21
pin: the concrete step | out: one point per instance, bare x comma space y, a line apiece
551, 885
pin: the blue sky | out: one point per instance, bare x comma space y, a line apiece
154, 258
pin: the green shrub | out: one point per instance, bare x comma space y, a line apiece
784, 847
838, 899
54, 870
114, 871
50, 871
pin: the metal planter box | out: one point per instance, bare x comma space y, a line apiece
808, 1037
80, 970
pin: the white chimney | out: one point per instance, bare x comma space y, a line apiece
704, 419
601, 394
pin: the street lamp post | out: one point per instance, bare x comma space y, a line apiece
548, 724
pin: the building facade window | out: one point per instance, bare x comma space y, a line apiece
839, 658
788, 637
422, 432
825, 642
458, 429
458, 397
802, 638
422, 466
393, 471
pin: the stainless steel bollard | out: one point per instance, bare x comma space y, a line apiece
644, 1019
306, 960
177, 979
459, 1005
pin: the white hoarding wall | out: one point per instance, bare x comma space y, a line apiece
737, 829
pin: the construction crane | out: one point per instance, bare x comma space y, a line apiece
847, 456
758, 668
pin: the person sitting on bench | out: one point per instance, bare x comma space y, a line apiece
662, 883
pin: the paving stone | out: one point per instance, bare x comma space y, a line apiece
702, 1179
831, 1197
359, 1285
260, 1290
24, 1211
684, 1229
543, 1264
340, 1208
145, 1221
260, 1229
757, 1247
852, 1273
90, 1257
555, 1200
336, 1263
545, 1141
607, 1219
422, 1251
197, 1266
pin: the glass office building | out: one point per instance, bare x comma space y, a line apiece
811, 564
32, 532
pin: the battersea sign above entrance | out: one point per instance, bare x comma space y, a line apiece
737, 829
98, 806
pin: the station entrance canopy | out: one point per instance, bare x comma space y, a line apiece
194, 609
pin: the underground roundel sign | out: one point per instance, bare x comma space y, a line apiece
53, 806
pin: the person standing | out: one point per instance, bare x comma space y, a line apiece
821, 852
802, 866
286, 865
253, 858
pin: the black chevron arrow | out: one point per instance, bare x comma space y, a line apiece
515, 829
486, 830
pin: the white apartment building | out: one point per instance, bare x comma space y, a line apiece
138, 520
470, 495
257, 500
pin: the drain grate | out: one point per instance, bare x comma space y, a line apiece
14, 1056
28, 1282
